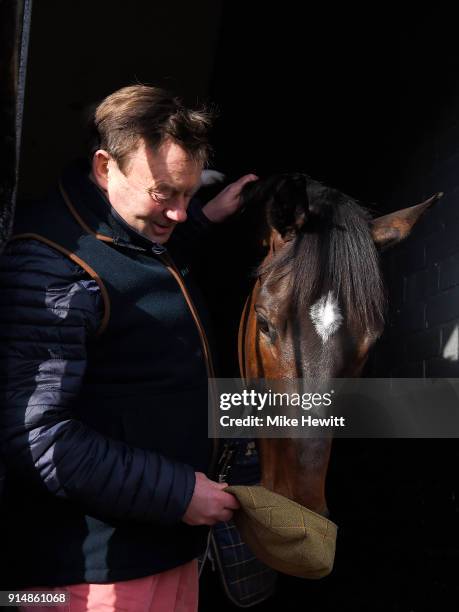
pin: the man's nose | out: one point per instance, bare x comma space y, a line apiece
177, 213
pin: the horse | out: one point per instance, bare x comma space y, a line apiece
316, 308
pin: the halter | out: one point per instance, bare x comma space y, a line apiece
246, 311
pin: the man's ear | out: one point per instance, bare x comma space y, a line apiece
100, 168
394, 227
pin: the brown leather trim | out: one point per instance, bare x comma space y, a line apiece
78, 218
205, 344
92, 273
248, 307
241, 336
170, 265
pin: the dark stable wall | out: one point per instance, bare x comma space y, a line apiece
82, 51
366, 101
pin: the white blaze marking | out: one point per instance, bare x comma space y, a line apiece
326, 316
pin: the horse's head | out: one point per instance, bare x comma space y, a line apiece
317, 306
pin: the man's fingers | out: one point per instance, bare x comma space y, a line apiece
237, 187
234, 504
229, 501
226, 515
210, 502
247, 178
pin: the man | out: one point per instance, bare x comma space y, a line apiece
105, 360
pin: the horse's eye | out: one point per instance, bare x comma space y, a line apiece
263, 325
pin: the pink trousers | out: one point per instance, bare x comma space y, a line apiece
173, 591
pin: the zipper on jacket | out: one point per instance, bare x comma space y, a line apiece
170, 265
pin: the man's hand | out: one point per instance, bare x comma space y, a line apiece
209, 504
228, 201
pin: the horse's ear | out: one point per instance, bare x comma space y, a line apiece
288, 206
285, 200
394, 227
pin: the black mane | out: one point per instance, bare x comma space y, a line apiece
331, 246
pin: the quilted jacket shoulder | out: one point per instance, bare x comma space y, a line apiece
49, 308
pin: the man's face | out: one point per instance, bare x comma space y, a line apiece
153, 193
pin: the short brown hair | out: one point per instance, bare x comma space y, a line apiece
141, 111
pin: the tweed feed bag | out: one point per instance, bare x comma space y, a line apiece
283, 534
